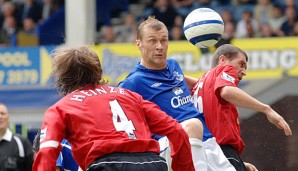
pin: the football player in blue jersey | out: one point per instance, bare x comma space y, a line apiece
65, 160
161, 81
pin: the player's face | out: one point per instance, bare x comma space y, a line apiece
4, 118
240, 63
154, 47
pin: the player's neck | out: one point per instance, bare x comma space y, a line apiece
152, 67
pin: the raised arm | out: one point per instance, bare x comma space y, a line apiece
190, 81
240, 98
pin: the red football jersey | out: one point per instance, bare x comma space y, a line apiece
221, 116
102, 120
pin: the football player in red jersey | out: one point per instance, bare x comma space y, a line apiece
109, 128
216, 95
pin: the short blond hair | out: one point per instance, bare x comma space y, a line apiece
152, 23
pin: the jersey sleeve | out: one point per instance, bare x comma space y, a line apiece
162, 124
52, 132
227, 76
128, 84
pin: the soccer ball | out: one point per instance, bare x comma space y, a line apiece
203, 27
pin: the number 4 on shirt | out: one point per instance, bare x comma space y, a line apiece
123, 124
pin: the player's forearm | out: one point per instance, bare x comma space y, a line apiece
240, 98
190, 81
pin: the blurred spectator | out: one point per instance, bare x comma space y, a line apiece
295, 30
28, 26
27, 35
227, 16
289, 3
288, 26
179, 21
183, 7
2, 2
250, 31
15, 151
8, 32
229, 31
266, 31
31, 9
8, 8
176, 33
127, 32
263, 11
164, 12
277, 20
107, 35
246, 26
228, 35
49, 7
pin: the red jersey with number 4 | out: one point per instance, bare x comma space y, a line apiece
102, 120
221, 116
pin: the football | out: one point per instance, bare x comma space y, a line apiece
203, 27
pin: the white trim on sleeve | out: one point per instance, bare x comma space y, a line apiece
51, 143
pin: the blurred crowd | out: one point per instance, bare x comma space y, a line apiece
242, 18
19, 17
116, 20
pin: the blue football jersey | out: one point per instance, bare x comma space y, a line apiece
65, 160
168, 89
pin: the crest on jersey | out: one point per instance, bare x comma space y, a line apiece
156, 84
177, 90
227, 77
178, 76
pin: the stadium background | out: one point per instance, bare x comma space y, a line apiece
26, 83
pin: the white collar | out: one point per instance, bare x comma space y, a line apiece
7, 136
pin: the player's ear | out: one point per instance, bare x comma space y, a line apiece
222, 59
138, 43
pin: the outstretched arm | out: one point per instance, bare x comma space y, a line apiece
240, 98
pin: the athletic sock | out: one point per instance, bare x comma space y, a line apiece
198, 154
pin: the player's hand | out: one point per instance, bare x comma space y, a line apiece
250, 167
278, 121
